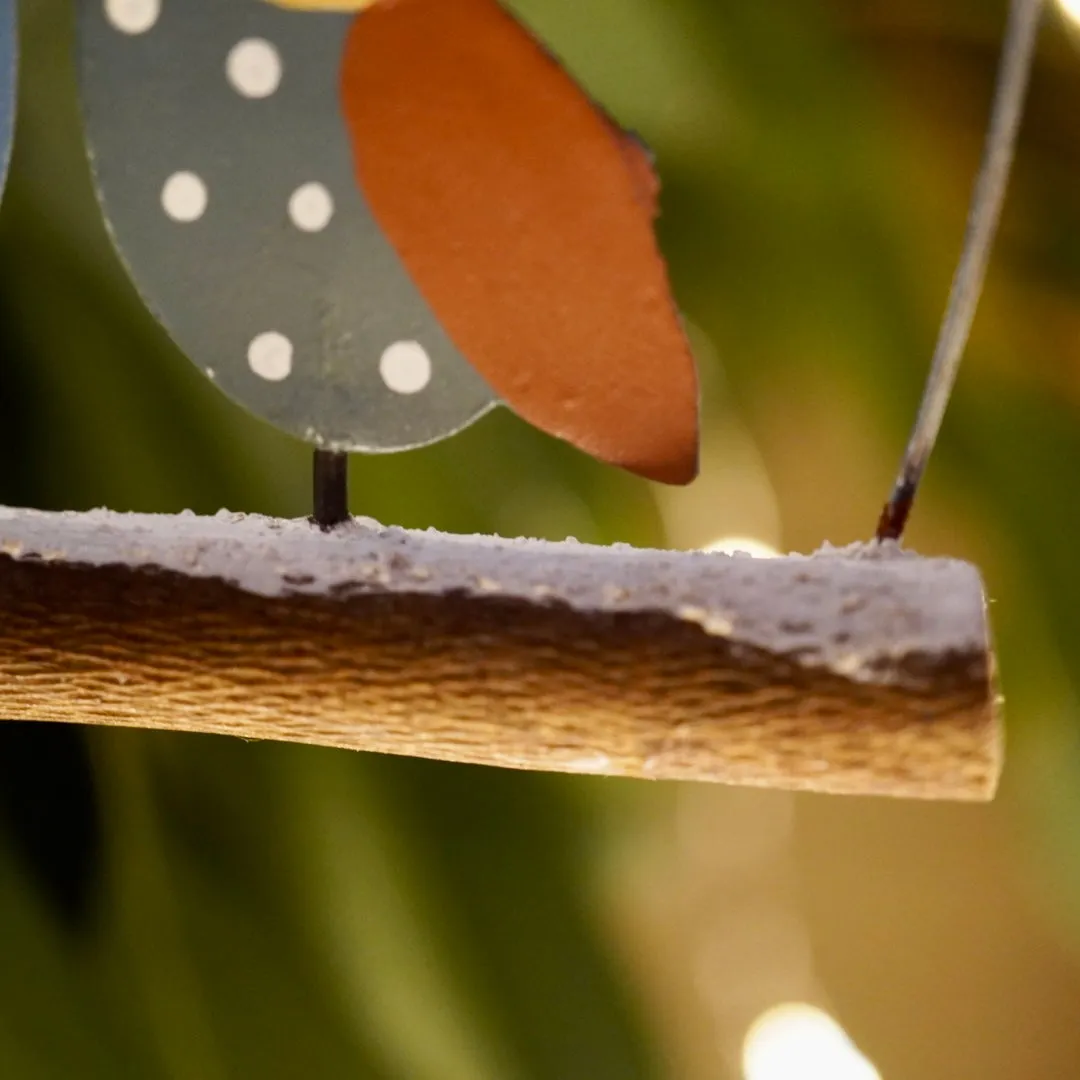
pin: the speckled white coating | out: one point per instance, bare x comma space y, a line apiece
870, 613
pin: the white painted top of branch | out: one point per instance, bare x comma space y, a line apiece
869, 613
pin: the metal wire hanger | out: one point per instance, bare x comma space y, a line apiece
1017, 53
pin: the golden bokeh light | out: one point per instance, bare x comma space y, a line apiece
796, 1040
1071, 10
747, 545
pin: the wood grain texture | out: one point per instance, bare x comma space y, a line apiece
863, 670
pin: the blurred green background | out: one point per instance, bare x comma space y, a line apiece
195, 908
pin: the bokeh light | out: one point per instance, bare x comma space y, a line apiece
1070, 9
801, 1042
746, 545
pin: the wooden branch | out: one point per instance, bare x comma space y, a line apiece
863, 670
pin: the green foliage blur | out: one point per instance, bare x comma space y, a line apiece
195, 908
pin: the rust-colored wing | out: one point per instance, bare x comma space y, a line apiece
524, 218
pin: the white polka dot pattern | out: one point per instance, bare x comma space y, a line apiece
132, 16
270, 356
184, 197
405, 367
253, 67
231, 191
311, 206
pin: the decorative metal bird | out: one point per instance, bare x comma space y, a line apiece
369, 228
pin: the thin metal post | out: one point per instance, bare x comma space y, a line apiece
330, 475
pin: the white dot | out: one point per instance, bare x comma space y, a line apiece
253, 66
311, 207
184, 197
405, 367
132, 16
270, 356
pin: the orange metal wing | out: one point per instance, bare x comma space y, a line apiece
524, 217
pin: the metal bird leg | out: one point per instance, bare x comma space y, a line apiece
1013, 75
330, 475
